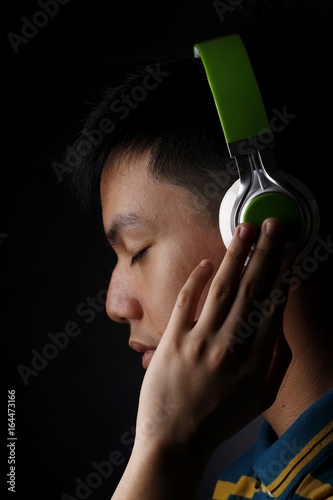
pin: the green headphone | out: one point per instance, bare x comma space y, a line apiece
262, 190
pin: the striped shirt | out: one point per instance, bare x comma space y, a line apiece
298, 465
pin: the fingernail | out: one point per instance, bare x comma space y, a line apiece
206, 264
271, 229
244, 232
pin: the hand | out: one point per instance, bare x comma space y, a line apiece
209, 378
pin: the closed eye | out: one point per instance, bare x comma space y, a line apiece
136, 258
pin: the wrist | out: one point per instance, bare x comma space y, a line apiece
160, 469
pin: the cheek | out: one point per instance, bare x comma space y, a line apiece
162, 292
168, 274
169, 268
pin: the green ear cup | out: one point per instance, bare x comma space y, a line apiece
262, 190
275, 205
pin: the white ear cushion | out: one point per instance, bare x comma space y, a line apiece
229, 199
226, 207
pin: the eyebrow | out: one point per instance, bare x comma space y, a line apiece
123, 223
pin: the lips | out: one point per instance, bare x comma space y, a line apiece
148, 352
146, 358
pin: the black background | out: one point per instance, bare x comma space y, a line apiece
78, 407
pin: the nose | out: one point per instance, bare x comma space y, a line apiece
122, 304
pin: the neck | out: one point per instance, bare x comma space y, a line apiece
310, 374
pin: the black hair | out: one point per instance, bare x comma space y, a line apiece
166, 107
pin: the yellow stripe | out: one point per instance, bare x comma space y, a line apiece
300, 460
244, 487
313, 489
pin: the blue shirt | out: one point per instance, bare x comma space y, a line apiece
297, 465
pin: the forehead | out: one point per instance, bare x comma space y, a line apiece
123, 174
127, 188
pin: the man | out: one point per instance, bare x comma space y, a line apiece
158, 172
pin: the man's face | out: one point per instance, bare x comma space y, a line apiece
159, 238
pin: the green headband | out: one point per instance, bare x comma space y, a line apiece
235, 91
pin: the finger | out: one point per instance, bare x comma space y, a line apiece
257, 319
224, 286
184, 311
260, 272
265, 259
248, 312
